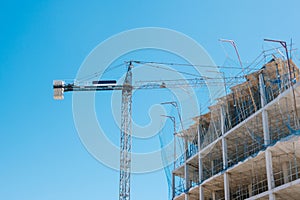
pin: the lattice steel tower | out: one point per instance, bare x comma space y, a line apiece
126, 132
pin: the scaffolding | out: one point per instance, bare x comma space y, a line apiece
247, 145
212, 161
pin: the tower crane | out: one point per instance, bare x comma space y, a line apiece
126, 112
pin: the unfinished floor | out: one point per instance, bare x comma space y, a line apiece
249, 147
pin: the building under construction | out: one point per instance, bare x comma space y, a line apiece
247, 146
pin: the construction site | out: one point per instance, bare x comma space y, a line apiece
247, 145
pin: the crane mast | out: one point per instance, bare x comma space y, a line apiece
126, 111
60, 87
126, 140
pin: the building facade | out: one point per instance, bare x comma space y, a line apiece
247, 146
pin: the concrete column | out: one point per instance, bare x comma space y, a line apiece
264, 112
186, 170
272, 196
200, 169
267, 139
173, 185
200, 172
269, 168
285, 172
199, 155
224, 143
224, 153
250, 190
262, 91
212, 167
201, 193
226, 186
222, 120
186, 196
214, 195
199, 139
187, 179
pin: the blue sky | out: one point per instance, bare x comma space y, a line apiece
41, 154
